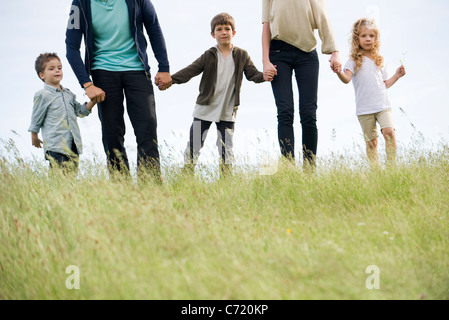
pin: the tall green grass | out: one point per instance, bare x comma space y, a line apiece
284, 236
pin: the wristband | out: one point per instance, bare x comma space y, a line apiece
91, 84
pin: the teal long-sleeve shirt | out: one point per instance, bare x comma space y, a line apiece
55, 112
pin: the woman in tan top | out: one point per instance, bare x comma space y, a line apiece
289, 44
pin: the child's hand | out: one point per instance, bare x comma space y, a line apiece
162, 86
35, 141
401, 72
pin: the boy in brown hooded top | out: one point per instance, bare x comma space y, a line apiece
223, 67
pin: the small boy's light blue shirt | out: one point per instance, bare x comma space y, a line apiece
55, 112
114, 46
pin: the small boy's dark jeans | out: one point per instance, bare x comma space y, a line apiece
198, 134
287, 59
61, 160
141, 108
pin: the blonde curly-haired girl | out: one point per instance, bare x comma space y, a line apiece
366, 69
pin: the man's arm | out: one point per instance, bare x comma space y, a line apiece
74, 36
149, 17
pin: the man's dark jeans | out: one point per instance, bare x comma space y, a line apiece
141, 108
287, 59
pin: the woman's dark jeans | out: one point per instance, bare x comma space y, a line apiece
141, 108
287, 59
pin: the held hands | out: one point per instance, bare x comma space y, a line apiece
335, 62
269, 71
163, 80
337, 67
94, 93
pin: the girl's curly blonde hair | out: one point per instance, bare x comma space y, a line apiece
356, 50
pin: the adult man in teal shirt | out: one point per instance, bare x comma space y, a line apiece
116, 59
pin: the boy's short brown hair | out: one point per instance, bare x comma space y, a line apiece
42, 60
222, 19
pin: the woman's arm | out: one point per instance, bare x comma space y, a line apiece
326, 32
268, 68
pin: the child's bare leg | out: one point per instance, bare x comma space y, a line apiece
390, 144
371, 152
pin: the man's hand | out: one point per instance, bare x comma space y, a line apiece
335, 62
94, 93
163, 80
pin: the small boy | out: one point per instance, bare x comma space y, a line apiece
222, 66
55, 110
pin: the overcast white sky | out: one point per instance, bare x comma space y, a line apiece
412, 31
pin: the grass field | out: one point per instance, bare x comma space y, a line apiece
290, 235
